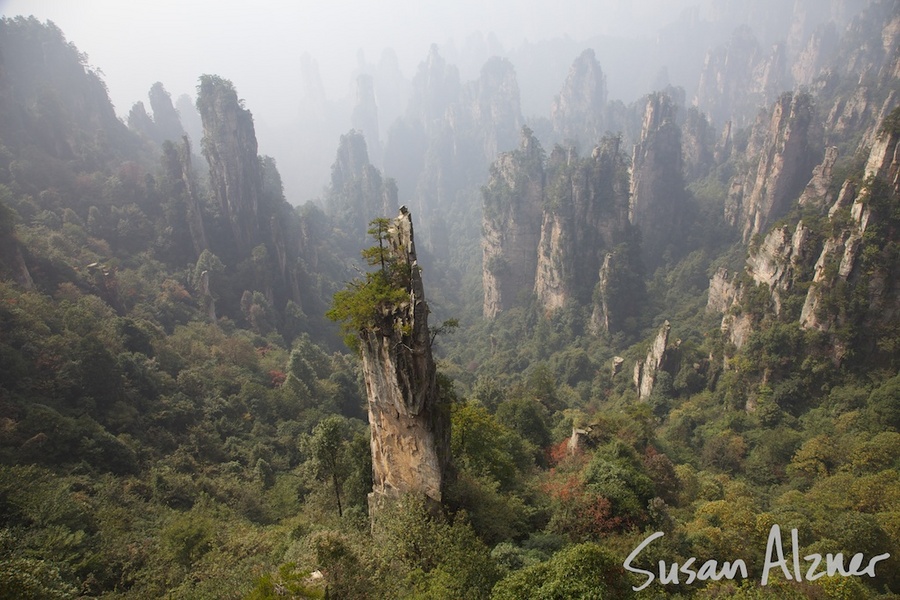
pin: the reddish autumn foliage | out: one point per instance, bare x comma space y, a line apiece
578, 512
277, 378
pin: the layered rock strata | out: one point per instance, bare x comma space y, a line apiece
410, 428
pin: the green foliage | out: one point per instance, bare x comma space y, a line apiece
421, 555
365, 302
289, 581
585, 571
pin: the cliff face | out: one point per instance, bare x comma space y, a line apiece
657, 178
740, 76
53, 102
358, 192
578, 110
645, 371
493, 103
435, 87
782, 151
849, 265
365, 117
585, 218
165, 117
511, 226
264, 229
179, 172
698, 145
410, 428
230, 147
441, 151
860, 258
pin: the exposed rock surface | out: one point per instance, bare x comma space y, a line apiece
493, 103
365, 117
230, 147
778, 260
657, 179
358, 192
857, 260
585, 218
739, 77
578, 110
698, 145
782, 151
410, 429
249, 191
441, 151
165, 117
511, 227
818, 190
645, 370
778, 264
177, 160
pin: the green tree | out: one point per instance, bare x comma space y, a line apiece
359, 306
327, 448
582, 572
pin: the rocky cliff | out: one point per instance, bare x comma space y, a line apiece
511, 224
230, 147
358, 192
645, 370
492, 101
740, 76
165, 117
855, 292
410, 428
585, 217
839, 276
441, 151
365, 117
262, 231
578, 110
783, 149
657, 180
54, 103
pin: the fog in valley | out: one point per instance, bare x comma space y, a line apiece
491, 299
298, 65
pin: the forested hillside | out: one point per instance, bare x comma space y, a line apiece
680, 315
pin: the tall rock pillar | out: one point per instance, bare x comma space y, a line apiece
409, 424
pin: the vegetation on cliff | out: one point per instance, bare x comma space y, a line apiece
178, 419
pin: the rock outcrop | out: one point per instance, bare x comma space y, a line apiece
739, 77
180, 175
645, 371
358, 192
165, 117
585, 217
365, 117
778, 264
778, 261
657, 179
860, 257
230, 147
782, 151
511, 226
577, 112
698, 145
410, 427
440, 152
818, 191
264, 229
493, 103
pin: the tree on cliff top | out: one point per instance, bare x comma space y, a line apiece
364, 302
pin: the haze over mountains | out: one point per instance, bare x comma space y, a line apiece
298, 68
472, 322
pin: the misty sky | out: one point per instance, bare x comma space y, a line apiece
258, 45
